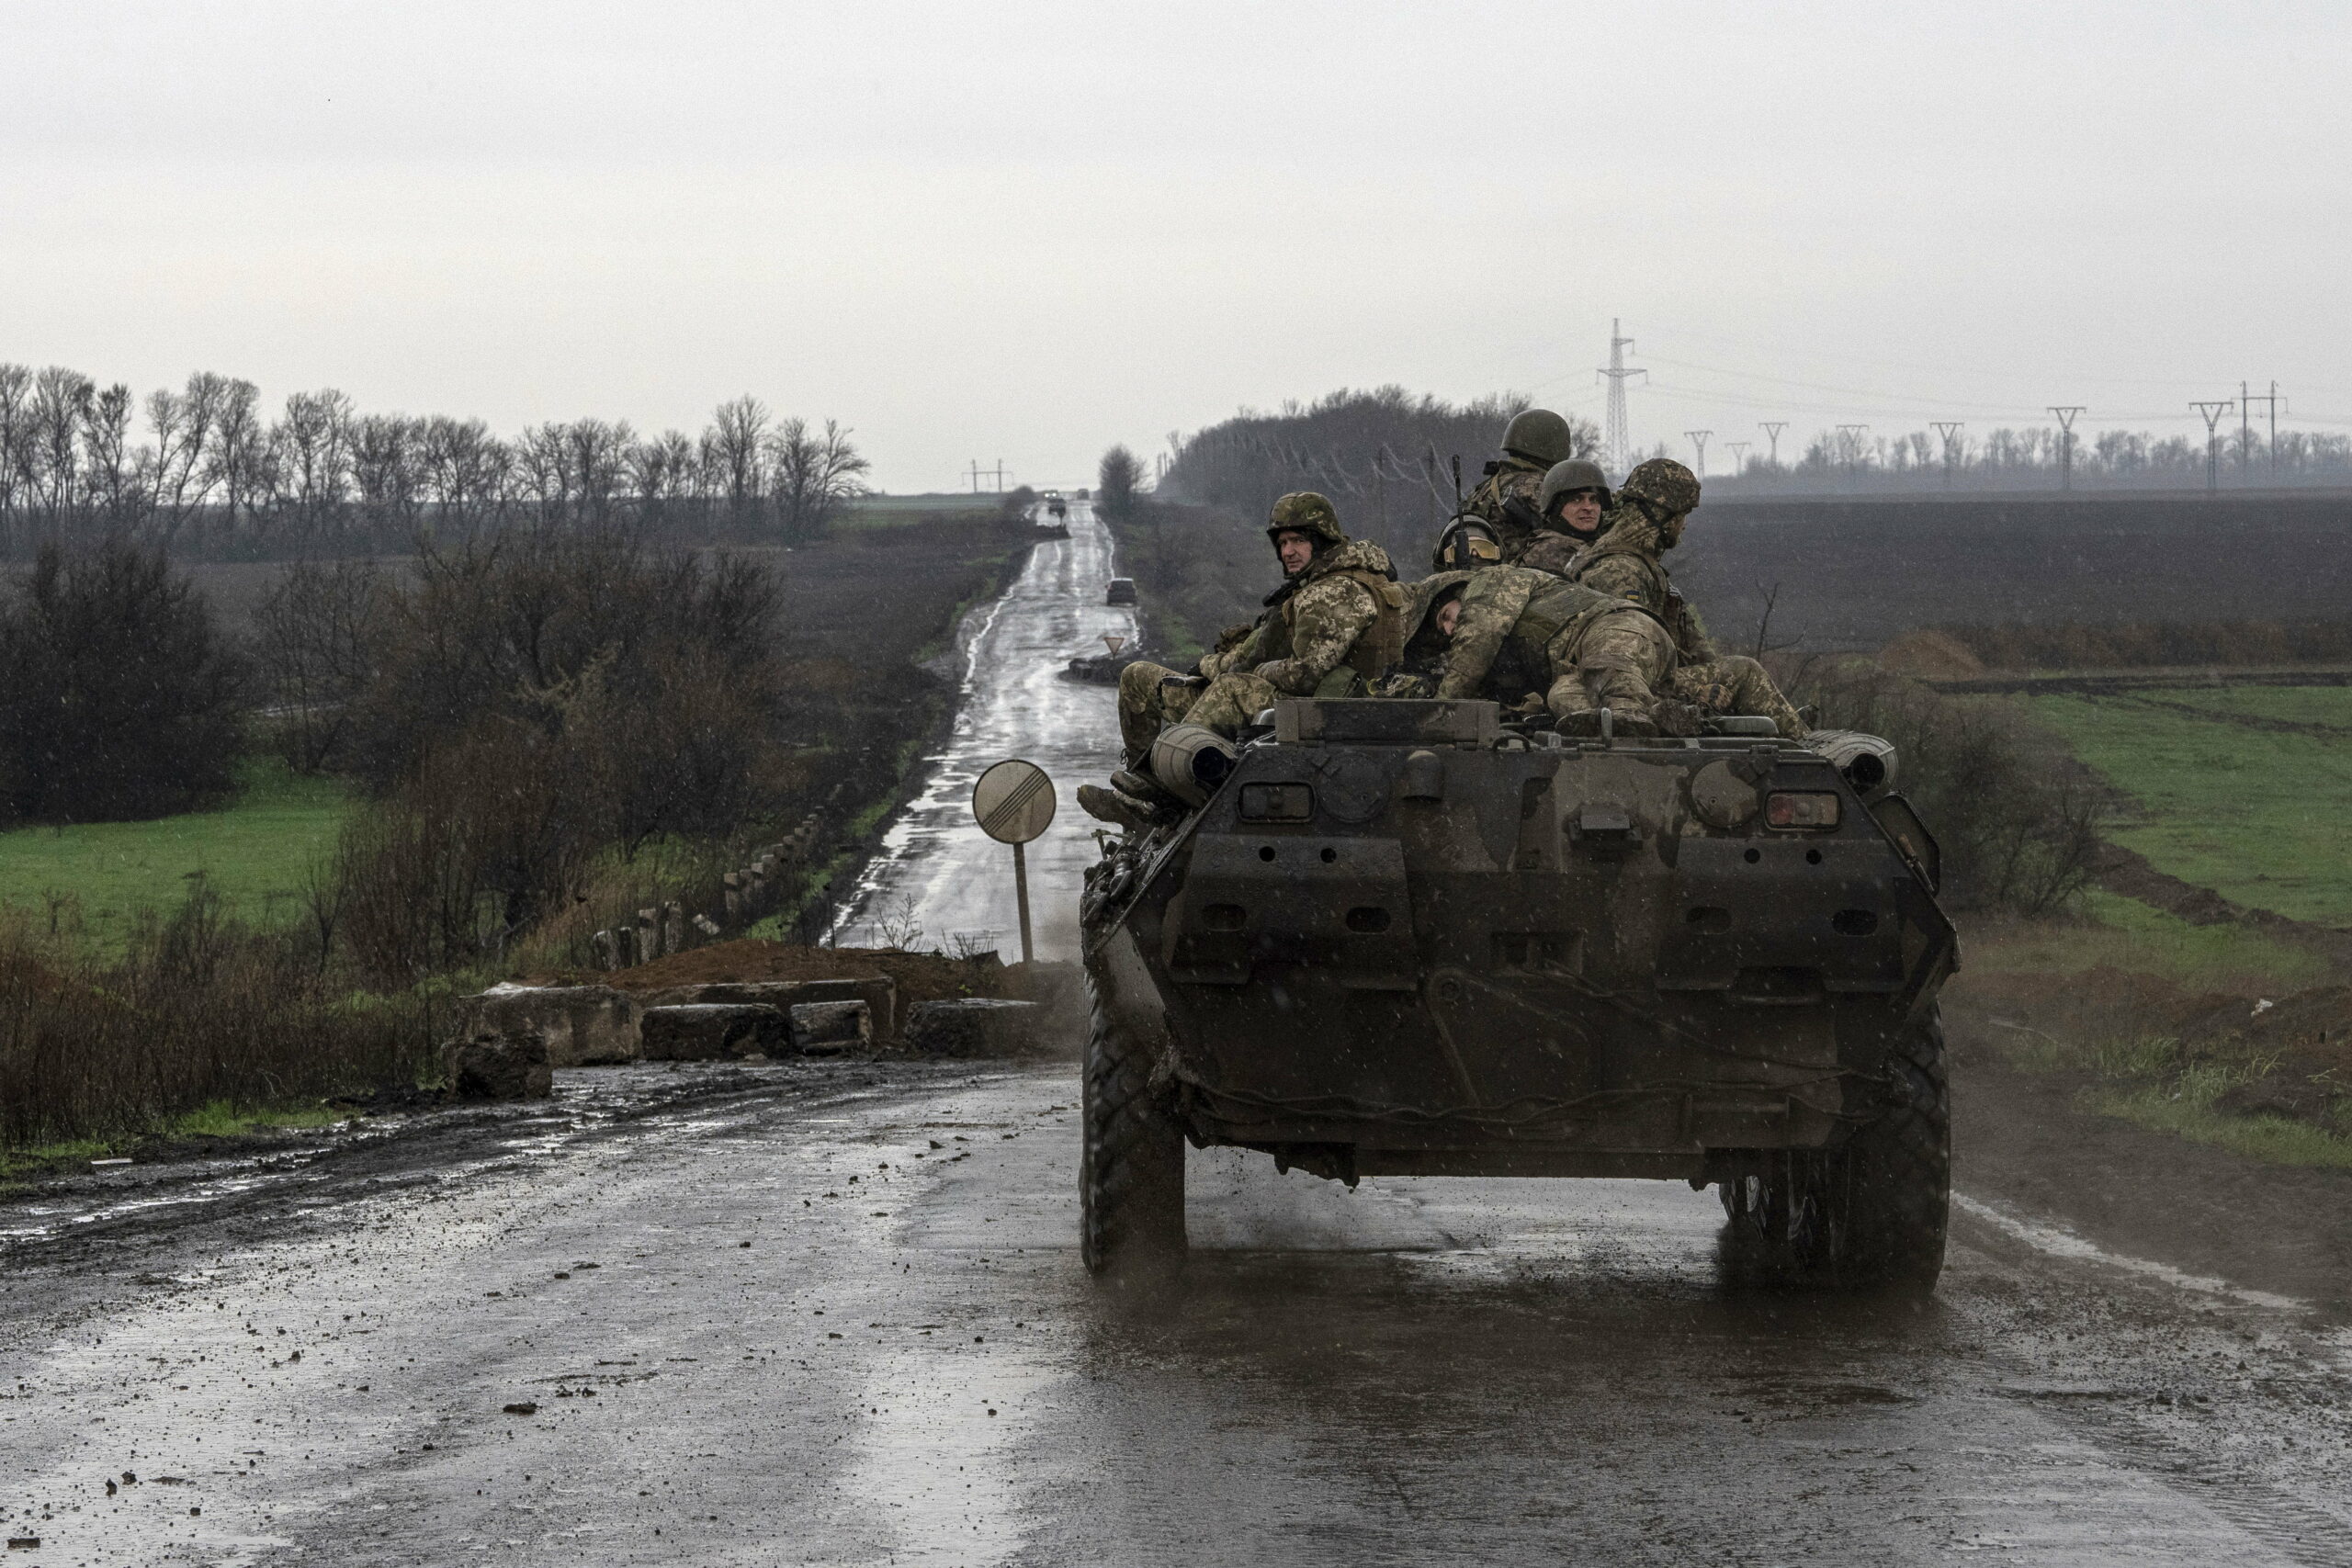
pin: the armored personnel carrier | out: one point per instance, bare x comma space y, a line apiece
1403, 937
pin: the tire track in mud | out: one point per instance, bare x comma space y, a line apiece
2299, 1532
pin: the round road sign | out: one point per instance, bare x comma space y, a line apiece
1015, 801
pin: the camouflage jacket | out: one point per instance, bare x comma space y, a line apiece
1505, 501
1422, 663
1625, 563
1510, 617
1341, 622
1554, 551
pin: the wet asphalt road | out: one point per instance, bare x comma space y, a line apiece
835, 1315
812, 1313
937, 868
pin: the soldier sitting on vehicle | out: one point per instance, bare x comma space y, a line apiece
1508, 500
1537, 644
1432, 611
1654, 506
1336, 622
1570, 507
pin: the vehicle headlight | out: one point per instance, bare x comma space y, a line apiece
1792, 808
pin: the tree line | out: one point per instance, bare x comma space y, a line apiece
205, 472
2037, 458
1384, 456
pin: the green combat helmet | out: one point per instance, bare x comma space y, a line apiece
1466, 544
1562, 478
1665, 487
1539, 435
1305, 512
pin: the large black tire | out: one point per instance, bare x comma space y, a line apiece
1131, 1171
1870, 1214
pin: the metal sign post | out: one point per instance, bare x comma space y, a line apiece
1015, 802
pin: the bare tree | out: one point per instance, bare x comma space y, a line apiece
816, 473
732, 447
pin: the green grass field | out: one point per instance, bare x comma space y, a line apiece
255, 853
2261, 816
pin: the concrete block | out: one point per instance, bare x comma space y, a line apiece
827, 1029
499, 1066
974, 1026
580, 1024
714, 1032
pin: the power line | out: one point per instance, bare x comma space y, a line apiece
1772, 429
1699, 439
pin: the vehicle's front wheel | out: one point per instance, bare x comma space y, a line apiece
1131, 1170
1870, 1214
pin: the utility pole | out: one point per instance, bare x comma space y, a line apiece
2067, 444
1772, 429
976, 476
1699, 439
1617, 447
1738, 456
2245, 431
1949, 430
999, 476
2270, 404
2212, 412
1853, 434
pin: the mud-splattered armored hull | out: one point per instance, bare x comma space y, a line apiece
1402, 939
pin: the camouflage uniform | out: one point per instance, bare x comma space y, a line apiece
1505, 502
1333, 628
1526, 635
1625, 564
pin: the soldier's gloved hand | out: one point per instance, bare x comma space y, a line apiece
1674, 718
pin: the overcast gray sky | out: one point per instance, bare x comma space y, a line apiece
1023, 230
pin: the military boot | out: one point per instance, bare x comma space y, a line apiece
1144, 787
1119, 810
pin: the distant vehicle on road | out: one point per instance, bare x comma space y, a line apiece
1058, 508
1122, 591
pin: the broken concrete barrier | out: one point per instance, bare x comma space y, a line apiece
974, 1026
499, 1066
581, 1024
879, 992
714, 1032
827, 1029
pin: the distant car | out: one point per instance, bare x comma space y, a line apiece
1122, 592
1058, 508
1052, 495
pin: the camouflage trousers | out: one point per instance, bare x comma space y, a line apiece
1621, 661
1152, 698
1733, 684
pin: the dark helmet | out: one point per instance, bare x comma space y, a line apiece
1305, 512
1562, 478
1539, 435
1670, 489
1467, 543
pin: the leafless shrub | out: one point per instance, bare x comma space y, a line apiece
2020, 827
197, 1010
